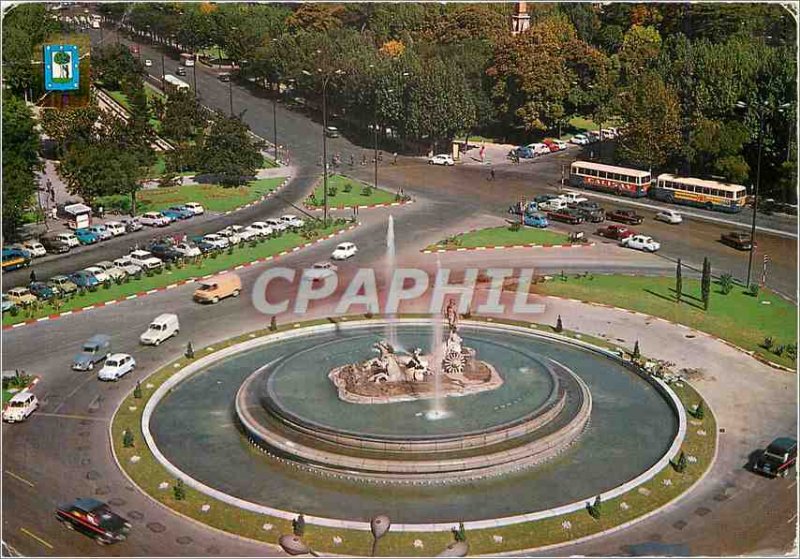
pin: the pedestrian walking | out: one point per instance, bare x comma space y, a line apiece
394, 162
491, 174
33, 276
352, 161
482, 152
54, 212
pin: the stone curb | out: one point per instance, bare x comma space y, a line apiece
264, 197
177, 284
360, 207
497, 247
752, 354
197, 365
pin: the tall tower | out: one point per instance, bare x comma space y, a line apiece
520, 20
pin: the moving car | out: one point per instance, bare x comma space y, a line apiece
63, 285
95, 350
52, 243
559, 144
113, 272
13, 259
126, 265
616, 232
145, 260
70, 238
84, 279
116, 366
640, 242
20, 407
180, 71
320, 271
332, 132
198, 209
169, 216
86, 237
224, 77
244, 233
35, 248
232, 237
442, 159
163, 327
116, 228
737, 239
539, 148
343, 251
21, 296
101, 231
212, 290
175, 215
669, 216
567, 215
41, 290
95, 519
777, 458
154, 219
148, 62
625, 216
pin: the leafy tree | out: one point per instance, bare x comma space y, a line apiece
460, 533
68, 125
640, 46
116, 67
636, 351
20, 161
195, 28
299, 526
316, 17
25, 26
705, 283
95, 169
184, 118
229, 152
726, 283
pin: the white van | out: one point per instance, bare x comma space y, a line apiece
20, 407
163, 327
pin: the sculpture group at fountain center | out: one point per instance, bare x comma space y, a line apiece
406, 284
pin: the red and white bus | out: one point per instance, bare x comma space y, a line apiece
607, 178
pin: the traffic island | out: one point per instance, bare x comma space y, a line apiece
344, 192
507, 236
669, 481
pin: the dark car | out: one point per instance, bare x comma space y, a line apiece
164, 252
777, 458
180, 71
42, 291
224, 77
94, 519
591, 211
567, 215
54, 244
737, 239
616, 232
625, 216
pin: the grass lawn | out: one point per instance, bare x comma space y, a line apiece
122, 99
208, 265
147, 473
501, 236
344, 199
159, 168
213, 197
737, 317
269, 163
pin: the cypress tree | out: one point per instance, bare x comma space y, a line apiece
705, 284
678, 282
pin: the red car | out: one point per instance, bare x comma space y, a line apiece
616, 232
625, 216
552, 144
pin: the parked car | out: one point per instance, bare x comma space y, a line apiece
343, 251
7, 304
132, 224
442, 159
216, 288
187, 250
98, 273
536, 219
524, 152
625, 216
559, 145
552, 205
737, 239
53, 244
95, 350
21, 296
232, 237
244, 233
217, 241
778, 458
539, 148
261, 228
591, 211
204, 246
63, 285
184, 212
320, 271
567, 215
70, 238
13, 259
145, 260
116, 366
83, 279
542, 198
20, 407
669, 216
573, 197
292, 220
116, 228
41, 290
86, 237
276, 224
169, 216
127, 265
164, 252
332, 132
616, 232
198, 209
94, 519
640, 242
101, 231
35, 248
111, 270
579, 139
163, 327
174, 215
154, 219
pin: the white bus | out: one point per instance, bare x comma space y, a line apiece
708, 194
173, 83
617, 180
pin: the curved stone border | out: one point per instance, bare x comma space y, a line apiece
269, 194
498, 247
443, 469
201, 363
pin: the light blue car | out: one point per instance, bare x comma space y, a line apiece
86, 237
7, 304
101, 232
536, 219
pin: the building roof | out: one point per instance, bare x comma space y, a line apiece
611, 168
701, 182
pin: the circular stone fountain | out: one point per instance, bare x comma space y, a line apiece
565, 424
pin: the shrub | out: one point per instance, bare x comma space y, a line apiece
680, 464
636, 353
299, 526
137, 390
332, 190
699, 410
767, 343
726, 283
460, 533
753, 290
127, 279
366, 191
168, 266
93, 288
127, 438
179, 491
14, 310
347, 188
559, 324
779, 350
273, 324
159, 271
791, 351
107, 285
253, 243
214, 255
230, 250
516, 226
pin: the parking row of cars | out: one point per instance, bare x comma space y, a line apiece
592, 136
140, 260
536, 149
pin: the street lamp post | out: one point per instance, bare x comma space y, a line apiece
163, 73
